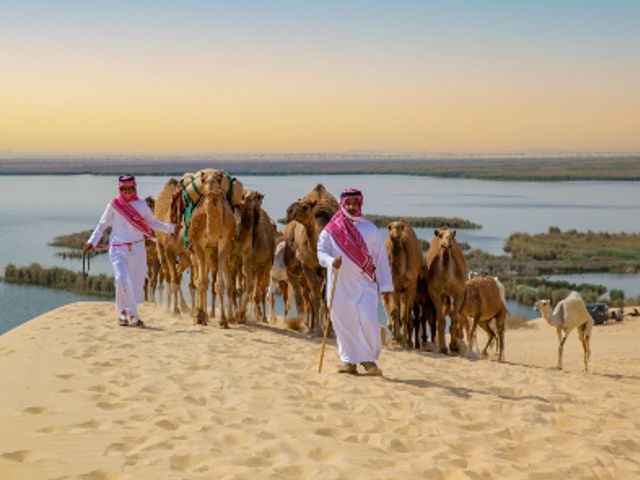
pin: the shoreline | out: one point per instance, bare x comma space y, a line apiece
624, 168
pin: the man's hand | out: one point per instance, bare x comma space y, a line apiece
337, 262
386, 296
87, 246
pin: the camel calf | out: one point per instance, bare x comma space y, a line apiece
483, 302
569, 313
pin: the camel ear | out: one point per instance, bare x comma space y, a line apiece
436, 232
453, 234
389, 225
313, 203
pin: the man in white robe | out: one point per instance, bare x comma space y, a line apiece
353, 244
130, 219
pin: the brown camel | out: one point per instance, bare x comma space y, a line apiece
211, 234
153, 263
263, 250
483, 302
405, 257
301, 259
170, 248
446, 275
423, 310
305, 220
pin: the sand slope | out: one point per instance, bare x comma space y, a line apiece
84, 399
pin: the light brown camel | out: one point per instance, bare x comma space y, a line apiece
483, 302
170, 247
301, 259
211, 235
305, 220
569, 313
263, 250
446, 275
405, 257
279, 280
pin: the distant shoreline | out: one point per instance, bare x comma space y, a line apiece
548, 168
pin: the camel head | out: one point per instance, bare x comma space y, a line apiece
397, 229
211, 181
301, 211
445, 237
543, 307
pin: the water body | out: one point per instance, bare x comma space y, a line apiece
36, 208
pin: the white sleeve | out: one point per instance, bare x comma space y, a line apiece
156, 224
104, 222
381, 261
325, 249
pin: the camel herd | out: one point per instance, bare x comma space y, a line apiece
228, 242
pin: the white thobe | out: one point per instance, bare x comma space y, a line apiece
354, 313
129, 263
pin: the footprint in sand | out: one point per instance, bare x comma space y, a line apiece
37, 410
66, 376
184, 463
100, 475
19, 456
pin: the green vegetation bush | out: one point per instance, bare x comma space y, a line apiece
60, 278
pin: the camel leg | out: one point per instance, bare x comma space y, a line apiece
501, 321
454, 314
283, 286
473, 341
202, 287
490, 333
418, 322
440, 325
405, 312
562, 337
272, 301
584, 339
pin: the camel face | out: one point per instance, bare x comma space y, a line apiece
397, 230
300, 211
542, 305
445, 236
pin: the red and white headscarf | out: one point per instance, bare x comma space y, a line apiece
344, 232
122, 204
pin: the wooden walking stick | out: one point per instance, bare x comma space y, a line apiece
328, 320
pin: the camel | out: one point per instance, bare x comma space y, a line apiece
278, 279
405, 256
170, 248
325, 207
446, 274
305, 220
211, 234
263, 250
153, 263
240, 259
483, 302
569, 313
301, 258
423, 310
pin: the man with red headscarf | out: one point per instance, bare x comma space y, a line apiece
353, 244
130, 220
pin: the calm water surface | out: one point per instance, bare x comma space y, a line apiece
36, 208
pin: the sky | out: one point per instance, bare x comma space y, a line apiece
194, 77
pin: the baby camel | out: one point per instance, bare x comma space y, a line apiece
569, 313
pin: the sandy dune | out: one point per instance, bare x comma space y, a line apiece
84, 399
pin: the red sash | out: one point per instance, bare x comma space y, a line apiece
132, 216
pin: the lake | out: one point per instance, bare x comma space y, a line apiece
36, 208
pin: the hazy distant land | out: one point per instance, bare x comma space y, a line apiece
500, 167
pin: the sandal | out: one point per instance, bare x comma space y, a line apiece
122, 321
136, 322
